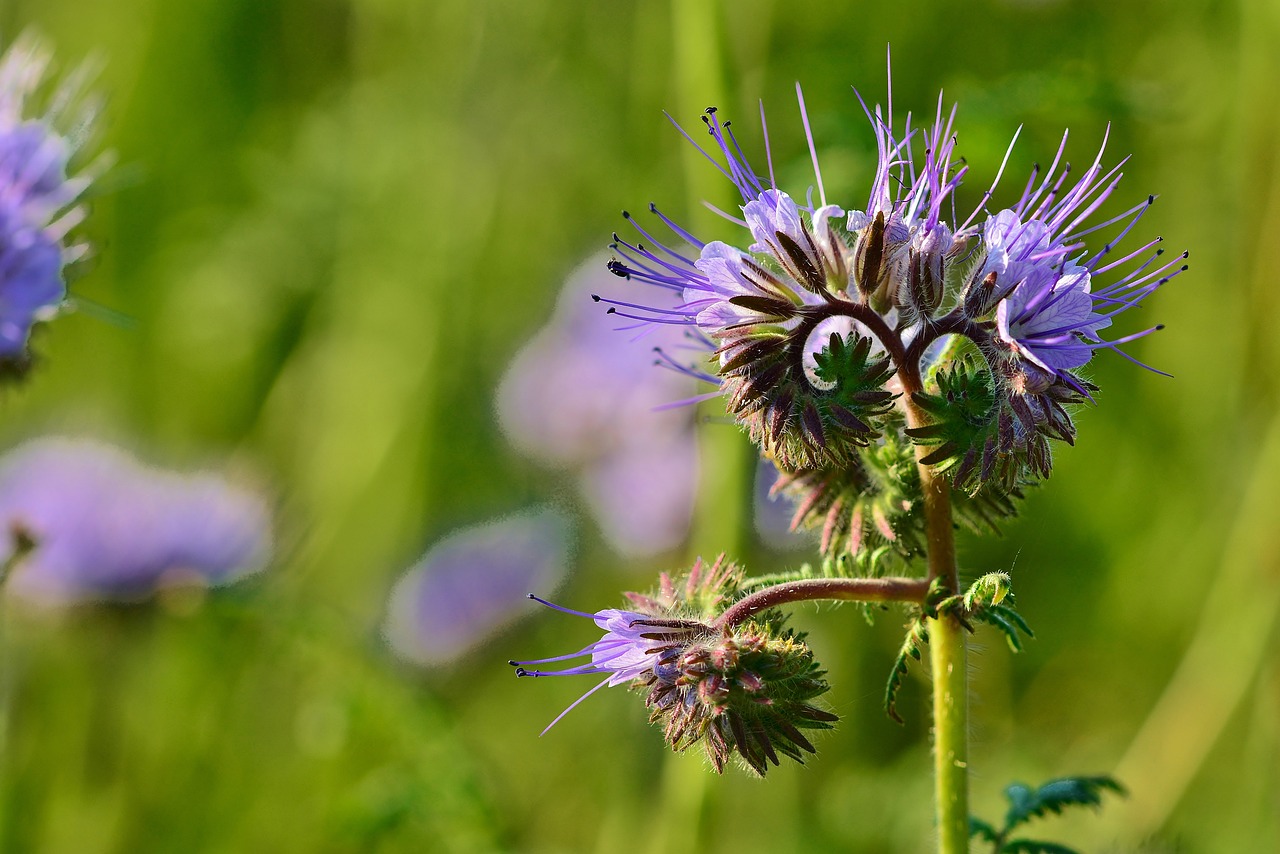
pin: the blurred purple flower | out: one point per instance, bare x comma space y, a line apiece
774, 511
472, 583
106, 527
576, 397
38, 201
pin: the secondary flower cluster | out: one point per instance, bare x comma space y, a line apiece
38, 200
743, 690
982, 323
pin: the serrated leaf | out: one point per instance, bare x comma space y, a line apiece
1008, 613
1004, 625
978, 827
1054, 796
917, 637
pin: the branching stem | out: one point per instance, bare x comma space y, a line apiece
842, 589
947, 644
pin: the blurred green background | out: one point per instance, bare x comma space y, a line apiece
331, 226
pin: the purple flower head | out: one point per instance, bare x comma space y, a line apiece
893, 254
38, 201
799, 255
633, 644
472, 583
575, 397
813, 320
1037, 265
105, 527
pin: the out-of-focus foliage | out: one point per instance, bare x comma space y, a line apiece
331, 226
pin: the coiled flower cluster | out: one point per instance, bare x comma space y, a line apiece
742, 690
841, 337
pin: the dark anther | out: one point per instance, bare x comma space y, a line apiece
711, 110
612, 311
1151, 199
653, 208
1159, 326
626, 215
595, 298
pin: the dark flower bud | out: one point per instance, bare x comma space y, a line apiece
868, 257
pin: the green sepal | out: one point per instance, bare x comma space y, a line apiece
991, 423
971, 431
858, 377
796, 423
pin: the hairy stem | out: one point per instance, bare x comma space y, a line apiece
842, 589
947, 650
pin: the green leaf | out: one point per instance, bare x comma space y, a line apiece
988, 590
912, 647
1006, 620
1054, 796
978, 827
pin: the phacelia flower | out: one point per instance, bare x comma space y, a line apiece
84, 521
743, 690
470, 584
573, 398
903, 273
39, 201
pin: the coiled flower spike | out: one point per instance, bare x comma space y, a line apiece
743, 690
910, 292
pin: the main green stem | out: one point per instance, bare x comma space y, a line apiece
947, 654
